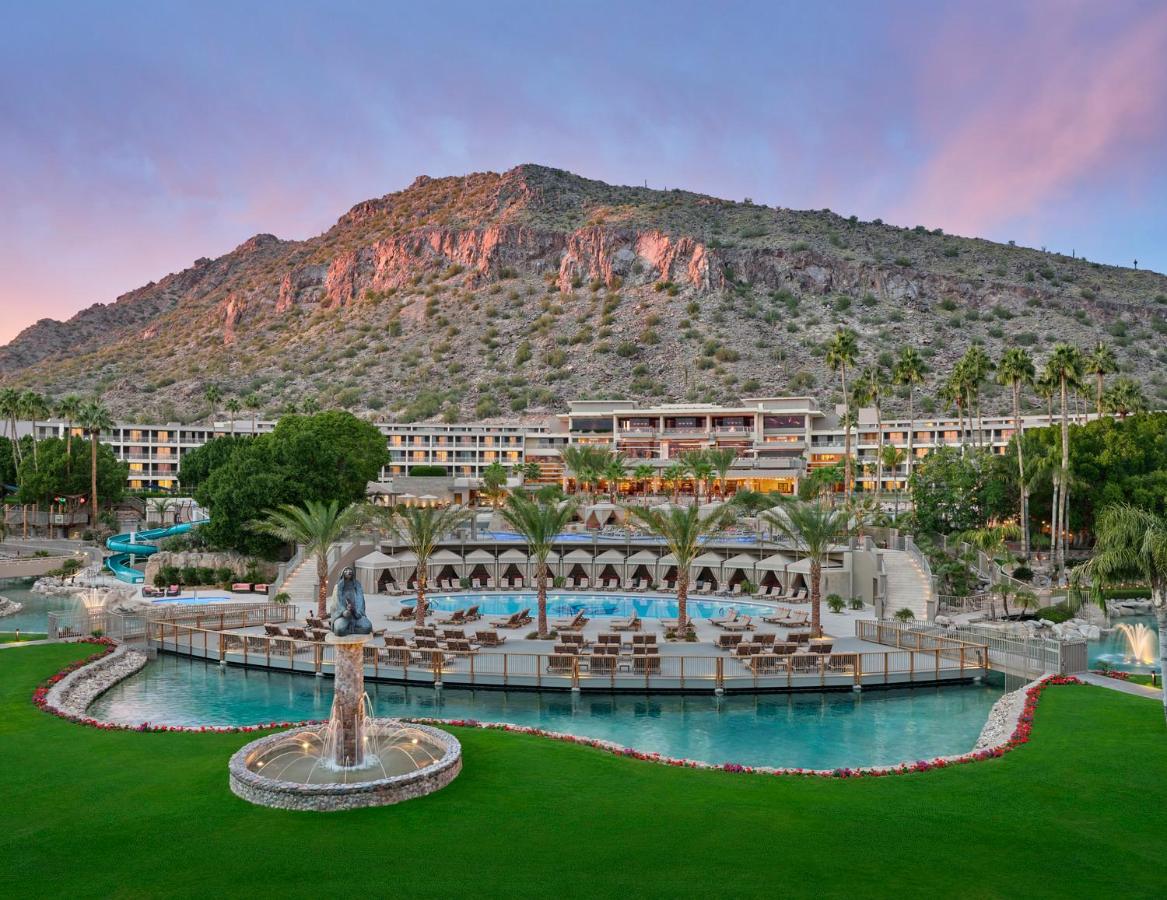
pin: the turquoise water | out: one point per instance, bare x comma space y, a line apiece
809, 730
1113, 650
35, 615
594, 605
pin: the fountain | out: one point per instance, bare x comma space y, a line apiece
1142, 643
351, 761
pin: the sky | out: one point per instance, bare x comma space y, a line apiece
138, 137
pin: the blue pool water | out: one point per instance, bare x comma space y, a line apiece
35, 615
616, 605
192, 601
810, 730
1113, 649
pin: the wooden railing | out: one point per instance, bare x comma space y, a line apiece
629, 671
134, 626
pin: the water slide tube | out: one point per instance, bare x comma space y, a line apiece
139, 544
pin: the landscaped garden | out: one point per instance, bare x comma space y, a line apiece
1079, 810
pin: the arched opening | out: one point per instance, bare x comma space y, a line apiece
578, 576
386, 582
479, 576
513, 576
705, 580
610, 578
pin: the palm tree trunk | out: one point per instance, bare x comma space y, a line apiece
1098, 394
682, 600
1065, 488
1053, 528
846, 435
419, 609
93, 480
1161, 618
816, 592
879, 453
36, 464
322, 584
911, 428
541, 597
1023, 489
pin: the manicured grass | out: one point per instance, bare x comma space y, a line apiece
1079, 811
9, 637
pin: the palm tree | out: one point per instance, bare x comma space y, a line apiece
584, 462
494, 483
892, 457
910, 371
842, 352
212, 393
317, 525
233, 407
874, 382
682, 530
539, 523
722, 460
253, 402
10, 409
673, 475
1016, 371
1046, 386
812, 528
94, 419
1100, 362
643, 474
34, 407
1123, 397
977, 366
615, 470
1064, 365
697, 466
1132, 542
952, 393
420, 528
532, 471
69, 408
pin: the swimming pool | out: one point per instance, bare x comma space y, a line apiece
599, 605
812, 730
191, 601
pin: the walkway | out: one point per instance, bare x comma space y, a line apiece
907, 585
1123, 687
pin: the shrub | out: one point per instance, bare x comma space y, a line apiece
835, 603
428, 471
905, 614
1023, 573
224, 574
855, 603
1056, 613
282, 597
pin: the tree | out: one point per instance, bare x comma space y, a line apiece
909, 371
94, 418
10, 410
540, 523
69, 409
63, 472
494, 483
643, 474
421, 528
531, 471
976, 367
233, 407
682, 530
316, 525
820, 481
950, 491
892, 457
584, 462
722, 460
1132, 542
673, 475
615, 470
841, 354
1124, 397
1100, 362
871, 387
812, 528
254, 403
1064, 366
952, 393
212, 393
699, 468
1016, 371
34, 407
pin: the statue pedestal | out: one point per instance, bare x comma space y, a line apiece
348, 702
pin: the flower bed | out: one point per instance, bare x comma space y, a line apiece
1021, 733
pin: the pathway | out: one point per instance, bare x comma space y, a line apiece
907, 585
1123, 687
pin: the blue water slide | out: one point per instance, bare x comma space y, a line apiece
133, 544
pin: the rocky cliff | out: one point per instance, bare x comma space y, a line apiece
508, 294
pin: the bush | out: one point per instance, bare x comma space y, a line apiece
1127, 593
905, 615
1057, 613
835, 602
225, 574
428, 471
282, 597
1023, 573
856, 603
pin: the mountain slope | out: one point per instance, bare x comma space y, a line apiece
508, 294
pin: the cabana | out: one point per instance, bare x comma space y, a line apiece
579, 564
739, 568
610, 564
514, 564
706, 568
374, 570
641, 566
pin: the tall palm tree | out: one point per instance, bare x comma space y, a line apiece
892, 457
615, 470
212, 393
94, 418
643, 474
673, 475
539, 523
1100, 362
10, 410
233, 407
494, 483
318, 525
34, 407
253, 402
1016, 371
420, 528
909, 371
1046, 386
1065, 365
841, 354
682, 530
699, 468
69, 408
874, 384
585, 463
951, 392
1123, 397
722, 460
1130, 541
812, 528
977, 366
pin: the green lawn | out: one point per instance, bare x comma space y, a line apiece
9, 637
1080, 811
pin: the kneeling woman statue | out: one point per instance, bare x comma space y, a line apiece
348, 613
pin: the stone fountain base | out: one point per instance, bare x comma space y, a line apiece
258, 789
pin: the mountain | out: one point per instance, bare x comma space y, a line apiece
505, 295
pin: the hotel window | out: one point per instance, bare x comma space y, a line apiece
396, 440
418, 456
513, 455
783, 421
137, 467
165, 483
951, 436
163, 436
441, 455
489, 456
135, 484
135, 435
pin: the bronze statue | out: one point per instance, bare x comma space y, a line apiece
348, 614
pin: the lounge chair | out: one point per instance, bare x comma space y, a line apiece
602, 663
784, 649
569, 583
397, 656
260, 588
561, 663
823, 647
396, 640
728, 641
457, 617
428, 631
606, 640
476, 583
632, 623
766, 639
573, 638
241, 587
518, 620
273, 631
744, 623
744, 650
800, 594
570, 649
768, 664
461, 645
798, 637
725, 620
585, 584
579, 620
644, 640
736, 590
489, 638
173, 591
490, 586
455, 634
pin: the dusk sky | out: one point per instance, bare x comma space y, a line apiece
140, 136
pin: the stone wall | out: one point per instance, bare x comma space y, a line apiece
71, 696
1003, 717
236, 562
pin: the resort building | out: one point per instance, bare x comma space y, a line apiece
777, 441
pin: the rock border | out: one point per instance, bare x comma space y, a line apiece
263, 791
1022, 723
9, 607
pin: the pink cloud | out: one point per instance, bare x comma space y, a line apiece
1057, 113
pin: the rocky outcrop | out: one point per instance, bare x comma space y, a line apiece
9, 607
236, 562
305, 284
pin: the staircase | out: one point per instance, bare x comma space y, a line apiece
907, 585
302, 585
